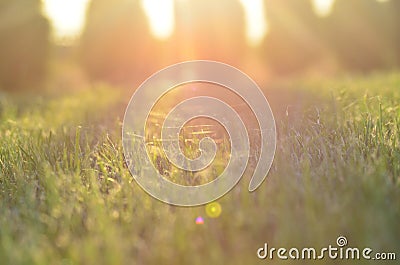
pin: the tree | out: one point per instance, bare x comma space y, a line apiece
209, 29
360, 33
292, 42
391, 11
24, 44
116, 44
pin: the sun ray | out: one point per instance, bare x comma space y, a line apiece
256, 25
161, 17
323, 7
67, 17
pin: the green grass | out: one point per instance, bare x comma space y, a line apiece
66, 196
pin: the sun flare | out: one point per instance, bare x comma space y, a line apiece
67, 17
323, 7
161, 17
256, 26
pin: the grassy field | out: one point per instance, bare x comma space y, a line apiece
66, 196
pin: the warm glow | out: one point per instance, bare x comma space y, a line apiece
256, 26
67, 17
161, 17
323, 7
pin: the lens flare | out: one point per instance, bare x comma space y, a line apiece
199, 220
213, 210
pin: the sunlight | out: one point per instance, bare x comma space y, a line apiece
67, 17
256, 26
323, 7
161, 17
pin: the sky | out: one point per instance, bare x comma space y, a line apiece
68, 17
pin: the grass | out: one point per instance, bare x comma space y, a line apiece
66, 196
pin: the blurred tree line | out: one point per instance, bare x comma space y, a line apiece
364, 34
360, 35
117, 45
24, 44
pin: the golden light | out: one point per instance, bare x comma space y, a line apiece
256, 25
161, 17
213, 210
67, 17
323, 7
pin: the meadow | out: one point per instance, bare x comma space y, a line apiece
67, 197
